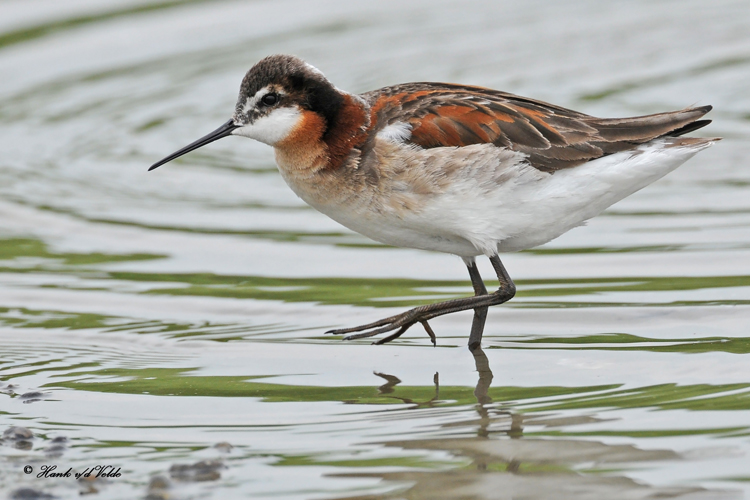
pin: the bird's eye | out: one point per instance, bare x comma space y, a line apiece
270, 99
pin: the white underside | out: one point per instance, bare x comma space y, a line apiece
522, 208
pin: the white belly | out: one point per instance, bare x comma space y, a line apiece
495, 202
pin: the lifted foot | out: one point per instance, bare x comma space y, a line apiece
401, 321
479, 302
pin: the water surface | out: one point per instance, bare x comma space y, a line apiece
155, 321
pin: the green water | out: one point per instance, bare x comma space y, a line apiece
171, 324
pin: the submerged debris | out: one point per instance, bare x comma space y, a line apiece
20, 437
90, 485
158, 488
17, 433
205, 470
57, 446
55, 450
224, 447
30, 494
33, 396
9, 389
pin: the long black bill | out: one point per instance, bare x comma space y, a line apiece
217, 134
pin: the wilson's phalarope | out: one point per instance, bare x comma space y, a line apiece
452, 168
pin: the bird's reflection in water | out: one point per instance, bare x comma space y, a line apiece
505, 464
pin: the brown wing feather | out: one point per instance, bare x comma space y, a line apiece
551, 136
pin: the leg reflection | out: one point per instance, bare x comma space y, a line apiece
481, 392
392, 381
485, 376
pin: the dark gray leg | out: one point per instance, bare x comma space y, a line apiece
480, 313
422, 314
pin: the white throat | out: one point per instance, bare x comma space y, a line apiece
272, 128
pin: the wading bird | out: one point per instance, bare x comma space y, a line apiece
451, 168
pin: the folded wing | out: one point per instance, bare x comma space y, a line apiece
552, 137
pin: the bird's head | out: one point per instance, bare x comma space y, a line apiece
279, 97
